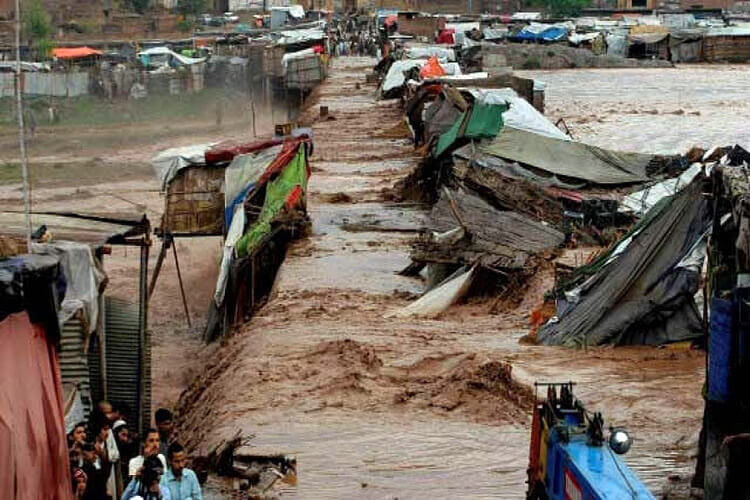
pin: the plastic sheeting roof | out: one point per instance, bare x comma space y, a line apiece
161, 51
568, 158
170, 161
521, 114
442, 53
646, 296
74, 52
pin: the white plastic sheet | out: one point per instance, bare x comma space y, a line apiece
642, 201
82, 279
439, 299
162, 51
442, 53
395, 77
521, 114
170, 161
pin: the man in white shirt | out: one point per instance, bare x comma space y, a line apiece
151, 444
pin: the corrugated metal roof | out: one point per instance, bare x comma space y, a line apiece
123, 359
74, 367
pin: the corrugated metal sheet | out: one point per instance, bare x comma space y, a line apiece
74, 366
48, 84
123, 359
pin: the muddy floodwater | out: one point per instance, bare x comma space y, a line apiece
665, 110
380, 407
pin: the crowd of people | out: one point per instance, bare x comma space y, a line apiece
348, 37
108, 461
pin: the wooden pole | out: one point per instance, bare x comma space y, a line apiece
159, 261
182, 288
21, 131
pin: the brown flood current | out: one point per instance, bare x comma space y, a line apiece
411, 408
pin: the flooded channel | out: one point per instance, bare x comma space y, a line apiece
377, 407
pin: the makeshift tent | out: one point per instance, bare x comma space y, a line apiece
33, 448
537, 32
170, 161
641, 292
570, 159
155, 52
521, 114
241, 176
74, 52
283, 192
442, 53
482, 121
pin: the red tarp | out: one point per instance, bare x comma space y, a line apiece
288, 152
226, 151
33, 447
74, 52
446, 36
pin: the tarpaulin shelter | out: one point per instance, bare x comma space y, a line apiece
88, 320
163, 56
537, 32
641, 291
570, 159
265, 202
482, 121
33, 448
648, 45
74, 52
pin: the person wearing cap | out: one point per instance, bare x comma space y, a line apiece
182, 482
147, 485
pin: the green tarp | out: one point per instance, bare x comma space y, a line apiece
277, 192
448, 137
483, 121
568, 158
486, 121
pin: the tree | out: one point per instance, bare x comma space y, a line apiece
139, 6
191, 7
37, 26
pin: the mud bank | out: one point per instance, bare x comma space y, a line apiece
414, 408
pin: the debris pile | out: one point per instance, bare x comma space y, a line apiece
642, 289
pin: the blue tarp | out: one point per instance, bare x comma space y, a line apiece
551, 34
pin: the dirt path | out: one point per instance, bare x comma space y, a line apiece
381, 408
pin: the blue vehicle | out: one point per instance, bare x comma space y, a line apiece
569, 458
